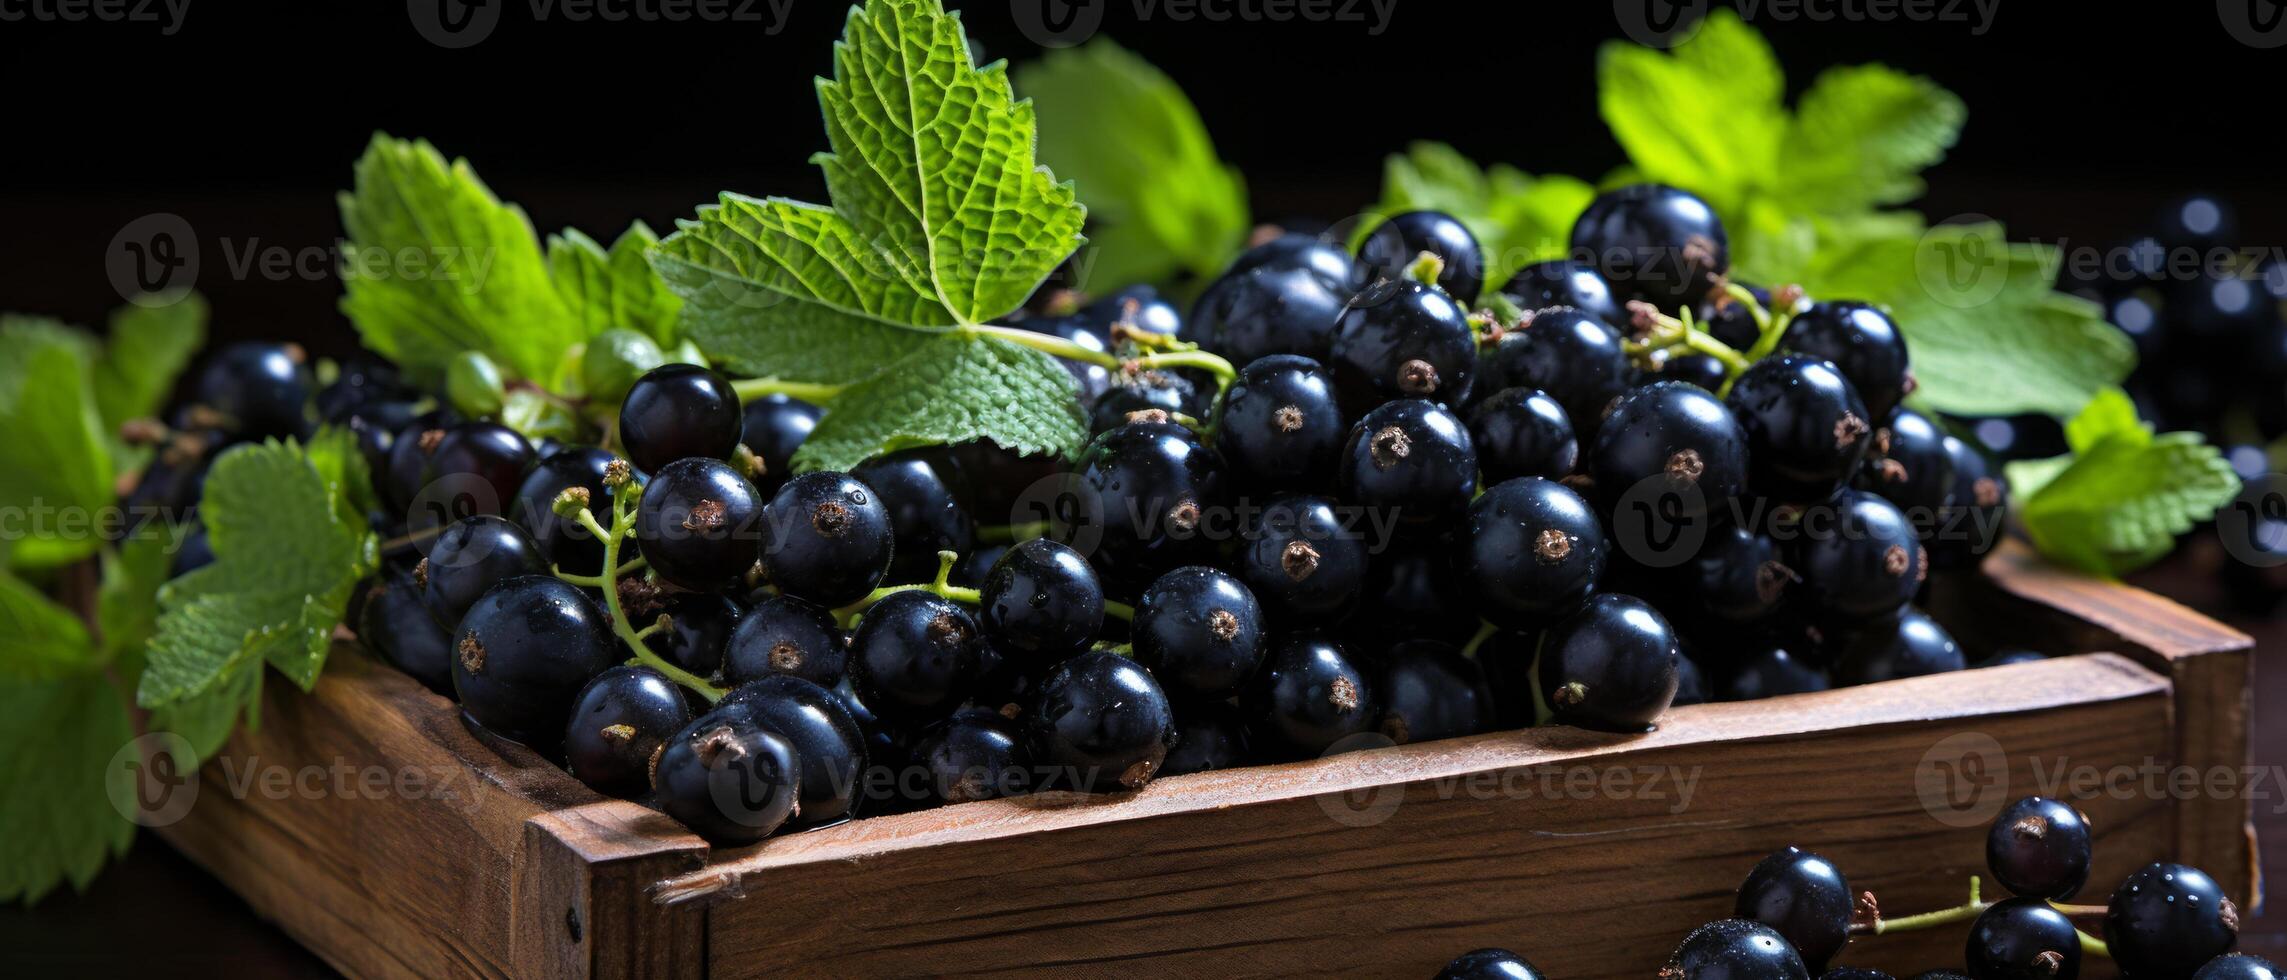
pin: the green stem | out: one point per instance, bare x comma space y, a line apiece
942, 587
623, 518
1733, 361
1485, 631
1012, 533
750, 389
1120, 611
1057, 346
1975, 907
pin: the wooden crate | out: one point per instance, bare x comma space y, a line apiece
1383, 862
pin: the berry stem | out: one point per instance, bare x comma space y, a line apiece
1120, 611
749, 389
2084, 911
1012, 533
623, 521
1485, 631
1425, 268
1772, 326
942, 586
1971, 909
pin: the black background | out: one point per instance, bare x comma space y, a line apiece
246, 120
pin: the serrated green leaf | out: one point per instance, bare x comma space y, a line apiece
2120, 505
206, 719
57, 824
127, 604
478, 280
1861, 137
940, 216
1518, 219
2111, 414
614, 289
1159, 200
39, 640
150, 343
55, 468
1707, 116
963, 386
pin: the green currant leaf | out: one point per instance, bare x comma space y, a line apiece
151, 341
1159, 200
2120, 504
127, 604
2110, 414
55, 462
1861, 136
961, 386
1707, 116
57, 741
615, 288
940, 217
39, 640
1518, 219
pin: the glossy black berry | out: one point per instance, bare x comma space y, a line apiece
975, 564
1738, 577
1402, 339
679, 411
915, 655
730, 780
1200, 632
978, 754
699, 524
1654, 243
824, 734
397, 623
620, 722
1770, 672
1864, 345
1041, 601
1704, 370
562, 540
1131, 393
1430, 691
1209, 735
1412, 460
402, 477
1806, 428
699, 627
1910, 467
1858, 557
775, 427
1573, 357
375, 426
468, 469
1489, 964
2023, 939
786, 635
1611, 666
1804, 898
1281, 427
1522, 432
1730, 321
1911, 645
1976, 512
1529, 553
258, 391
1134, 309
1093, 379
524, 651
2238, 966
1564, 282
1691, 680
1295, 250
2040, 848
826, 538
1304, 559
1142, 492
2166, 920
1100, 723
1735, 949
1417, 592
1269, 310
926, 515
469, 558
1673, 447
1393, 246
1309, 696
359, 382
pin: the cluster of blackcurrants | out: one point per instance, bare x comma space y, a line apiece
1796, 912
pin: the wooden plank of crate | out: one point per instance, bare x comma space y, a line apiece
582, 902
1253, 871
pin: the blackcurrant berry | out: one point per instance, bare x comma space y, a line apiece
786, 635
1418, 595
1806, 428
1911, 468
699, 524
1489, 964
1691, 681
1135, 308
260, 391
975, 564
1771, 672
1522, 432
1141, 391
397, 623
2166, 920
620, 721
775, 427
1395, 244
2238, 966
1729, 320
2040, 848
1281, 427
1737, 578
2023, 939
1295, 250
469, 558
699, 627
1911, 645
825, 735
522, 653
1704, 370
1975, 511
1208, 735
1430, 691
1862, 342
1101, 723
1735, 949
1858, 557
1093, 379
826, 537
977, 754
1200, 632
1611, 666
926, 515
1654, 243
1413, 460
915, 655
1309, 696
1564, 282
375, 426
730, 780
1804, 898
562, 540
1402, 339
471, 468
361, 381
1041, 601
1573, 357
410, 449
1142, 491
1530, 552
1672, 447
1304, 559
1269, 310
679, 411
